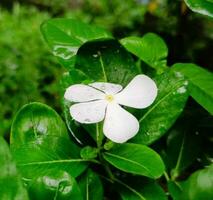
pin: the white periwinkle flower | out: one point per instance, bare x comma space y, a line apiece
102, 101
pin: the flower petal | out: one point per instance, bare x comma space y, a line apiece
82, 93
119, 125
139, 93
89, 112
108, 88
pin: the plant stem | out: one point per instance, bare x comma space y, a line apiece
166, 176
175, 171
99, 137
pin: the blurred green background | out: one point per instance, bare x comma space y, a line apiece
28, 71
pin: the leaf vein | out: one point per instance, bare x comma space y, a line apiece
131, 161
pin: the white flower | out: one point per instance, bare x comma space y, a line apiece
101, 101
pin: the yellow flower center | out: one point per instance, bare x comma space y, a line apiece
109, 97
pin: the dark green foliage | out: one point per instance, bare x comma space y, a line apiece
136, 159
204, 7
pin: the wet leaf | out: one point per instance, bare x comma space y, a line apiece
137, 159
65, 36
156, 120
40, 142
204, 7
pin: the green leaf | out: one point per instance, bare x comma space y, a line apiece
11, 187
65, 36
199, 185
150, 48
106, 61
201, 83
56, 184
91, 186
175, 190
137, 159
204, 7
40, 142
161, 115
138, 189
180, 142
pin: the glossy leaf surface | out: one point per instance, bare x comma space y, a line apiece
161, 115
65, 36
137, 159
40, 142
150, 48
199, 185
106, 61
56, 184
201, 83
204, 7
